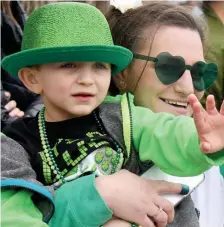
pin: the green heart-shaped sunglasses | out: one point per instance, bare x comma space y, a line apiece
170, 68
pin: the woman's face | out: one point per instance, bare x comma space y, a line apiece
152, 93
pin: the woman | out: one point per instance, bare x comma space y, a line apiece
149, 31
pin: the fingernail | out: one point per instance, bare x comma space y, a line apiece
185, 189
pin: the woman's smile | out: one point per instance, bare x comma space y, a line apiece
177, 106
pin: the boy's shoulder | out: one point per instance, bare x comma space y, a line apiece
19, 123
20, 127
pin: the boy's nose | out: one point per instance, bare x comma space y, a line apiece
85, 78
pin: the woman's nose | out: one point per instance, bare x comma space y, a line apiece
185, 84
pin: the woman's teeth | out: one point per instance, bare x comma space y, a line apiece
176, 103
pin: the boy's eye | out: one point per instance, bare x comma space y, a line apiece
101, 65
68, 65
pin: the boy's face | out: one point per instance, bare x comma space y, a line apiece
72, 89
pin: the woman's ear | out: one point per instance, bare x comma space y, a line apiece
29, 78
120, 81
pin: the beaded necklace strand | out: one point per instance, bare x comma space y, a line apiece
48, 151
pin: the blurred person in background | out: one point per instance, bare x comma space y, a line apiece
16, 100
214, 15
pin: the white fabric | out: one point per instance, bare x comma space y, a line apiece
124, 5
209, 199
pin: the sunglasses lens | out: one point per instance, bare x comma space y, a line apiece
169, 68
204, 75
210, 74
197, 72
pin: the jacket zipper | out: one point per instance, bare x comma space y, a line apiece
131, 125
131, 130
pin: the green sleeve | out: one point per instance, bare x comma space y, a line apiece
171, 142
18, 209
78, 204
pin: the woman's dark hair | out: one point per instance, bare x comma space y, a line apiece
128, 28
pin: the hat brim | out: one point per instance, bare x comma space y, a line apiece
117, 56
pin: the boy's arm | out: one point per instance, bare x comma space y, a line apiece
19, 180
25, 201
171, 142
78, 204
18, 209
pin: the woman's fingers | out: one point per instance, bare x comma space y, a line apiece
210, 105
160, 218
198, 111
222, 108
147, 222
133, 198
192, 99
167, 207
165, 187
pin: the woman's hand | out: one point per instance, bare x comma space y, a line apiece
136, 199
13, 111
209, 124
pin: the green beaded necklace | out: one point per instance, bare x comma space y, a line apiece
48, 151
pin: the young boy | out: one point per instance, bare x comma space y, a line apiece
68, 57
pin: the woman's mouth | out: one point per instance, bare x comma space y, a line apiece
175, 103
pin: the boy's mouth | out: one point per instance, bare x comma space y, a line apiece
83, 96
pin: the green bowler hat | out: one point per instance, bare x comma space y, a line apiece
67, 32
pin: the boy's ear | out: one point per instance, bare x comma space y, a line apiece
29, 78
120, 81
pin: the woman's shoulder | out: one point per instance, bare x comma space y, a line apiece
119, 98
112, 99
